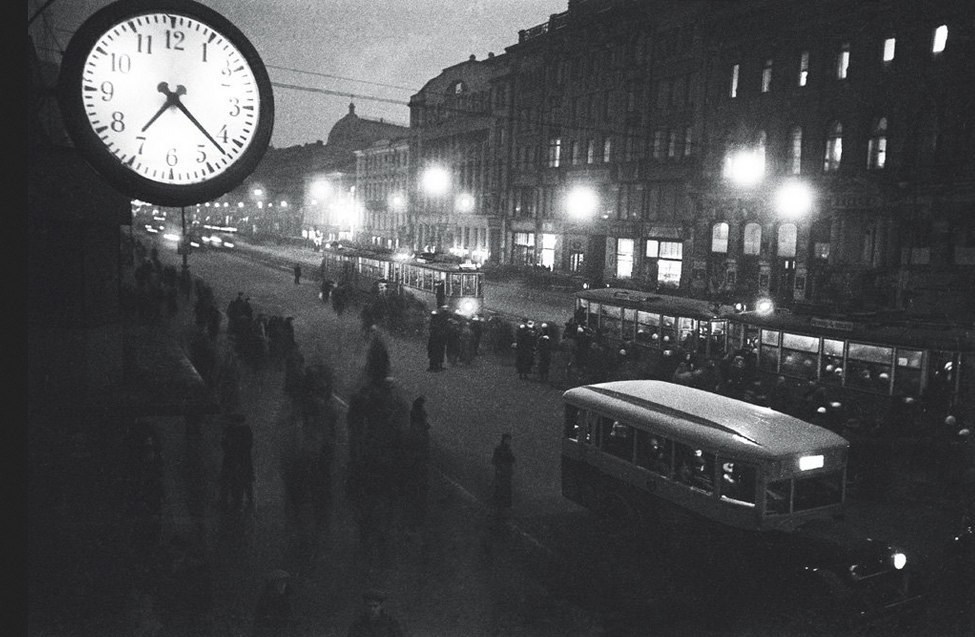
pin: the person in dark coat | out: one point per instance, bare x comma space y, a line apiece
375, 621
477, 329
416, 482
544, 347
436, 342
297, 271
524, 349
237, 470
503, 460
327, 285
273, 616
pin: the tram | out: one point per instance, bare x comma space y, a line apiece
868, 361
459, 287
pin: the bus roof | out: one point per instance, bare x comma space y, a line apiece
652, 302
698, 416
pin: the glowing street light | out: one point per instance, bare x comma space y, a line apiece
745, 167
581, 202
793, 199
465, 202
397, 201
435, 181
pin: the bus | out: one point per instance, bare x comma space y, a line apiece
867, 361
667, 454
458, 286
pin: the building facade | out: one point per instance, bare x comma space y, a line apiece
382, 183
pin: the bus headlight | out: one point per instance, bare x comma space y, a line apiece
900, 561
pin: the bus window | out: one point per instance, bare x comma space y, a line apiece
575, 420
818, 491
869, 367
737, 482
616, 439
831, 370
654, 453
777, 496
695, 467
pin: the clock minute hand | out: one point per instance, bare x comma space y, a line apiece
180, 90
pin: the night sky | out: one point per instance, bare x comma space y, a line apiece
389, 48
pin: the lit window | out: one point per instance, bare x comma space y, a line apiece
734, 80
767, 76
752, 243
607, 149
877, 146
795, 152
834, 147
576, 152
590, 151
787, 240
624, 258
940, 39
687, 141
554, 152
719, 238
843, 61
653, 249
658, 144
803, 68
672, 144
889, 46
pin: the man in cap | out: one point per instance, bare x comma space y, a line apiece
374, 621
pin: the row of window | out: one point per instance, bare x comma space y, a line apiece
841, 62
751, 239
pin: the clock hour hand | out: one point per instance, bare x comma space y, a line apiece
180, 90
171, 100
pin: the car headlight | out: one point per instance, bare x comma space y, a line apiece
899, 560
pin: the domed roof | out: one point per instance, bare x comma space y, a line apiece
354, 133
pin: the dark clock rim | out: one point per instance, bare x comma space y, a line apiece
103, 161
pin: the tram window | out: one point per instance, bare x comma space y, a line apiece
629, 324
592, 318
718, 336
737, 482
818, 491
869, 367
616, 438
695, 467
686, 328
777, 495
907, 379
649, 324
609, 320
668, 330
831, 367
800, 355
654, 453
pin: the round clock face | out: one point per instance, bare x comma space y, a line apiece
167, 99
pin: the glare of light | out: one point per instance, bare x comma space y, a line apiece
793, 199
467, 307
745, 167
465, 202
581, 202
258, 192
284, 204
397, 201
764, 306
169, 236
940, 39
207, 204
226, 204
240, 204
900, 561
227, 244
807, 463
436, 180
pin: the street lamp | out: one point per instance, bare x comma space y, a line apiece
744, 167
793, 199
435, 181
464, 202
581, 202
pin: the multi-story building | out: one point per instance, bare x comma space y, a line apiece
458, 122
838, 163
381, 187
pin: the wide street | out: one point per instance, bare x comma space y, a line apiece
558, 551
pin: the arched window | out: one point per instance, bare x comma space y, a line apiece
787, 241
834, 147
719, 238
877, 147
752, 243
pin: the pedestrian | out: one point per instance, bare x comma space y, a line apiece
477, 329
525, 349
436, 342
544, 347
375, 621
503, 460
327, 285
297, 270
273, 616
237, 470
417, 457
